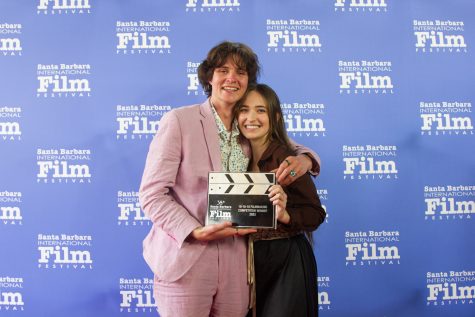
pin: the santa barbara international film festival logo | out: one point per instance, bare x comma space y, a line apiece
371, 248
227, 6
10, 42
143, 37
11, 294
365, 77
64, 251
448, 288
194, 88
443, 118
361, 6
323, 292
136, 295
130, 213
63, 7
304, 119
10, 129
63, 80
369, 162
63, 166
437, 36
293, 36
10, 208
138, 122
449, 202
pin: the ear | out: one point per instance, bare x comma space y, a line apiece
210, 79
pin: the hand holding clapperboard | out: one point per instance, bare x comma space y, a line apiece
241, 198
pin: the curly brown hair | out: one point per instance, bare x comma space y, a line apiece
242, 55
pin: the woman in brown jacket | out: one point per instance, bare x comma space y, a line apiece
284, 265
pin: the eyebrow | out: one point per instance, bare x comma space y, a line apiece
227, 67
258, 106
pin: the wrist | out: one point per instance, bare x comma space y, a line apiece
285, 218
193, 234
307, 160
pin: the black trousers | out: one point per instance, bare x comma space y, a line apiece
286, 278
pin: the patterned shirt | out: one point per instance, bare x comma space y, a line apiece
233, 158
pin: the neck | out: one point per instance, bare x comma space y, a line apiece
258, 148
225, 112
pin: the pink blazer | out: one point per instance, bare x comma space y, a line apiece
174, 187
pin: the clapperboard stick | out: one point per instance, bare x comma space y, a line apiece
241, 183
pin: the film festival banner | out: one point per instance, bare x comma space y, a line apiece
382, 90
241, 198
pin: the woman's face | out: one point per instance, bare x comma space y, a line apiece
229, 83
253, 118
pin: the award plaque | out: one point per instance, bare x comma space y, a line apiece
241, 198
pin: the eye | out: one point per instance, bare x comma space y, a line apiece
242, 72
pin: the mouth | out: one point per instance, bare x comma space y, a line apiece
252, 126
229, 88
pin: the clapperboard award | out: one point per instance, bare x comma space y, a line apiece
241, 198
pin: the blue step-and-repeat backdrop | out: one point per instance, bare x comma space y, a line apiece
383, 90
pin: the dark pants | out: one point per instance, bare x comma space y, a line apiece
286, 278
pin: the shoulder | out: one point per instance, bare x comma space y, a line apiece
182, 115
273, 156
186, 110
280, 151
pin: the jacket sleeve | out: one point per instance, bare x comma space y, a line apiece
303, 205
300, 149
159, 178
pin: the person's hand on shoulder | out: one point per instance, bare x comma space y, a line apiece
292, 168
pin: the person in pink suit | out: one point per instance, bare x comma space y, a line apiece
202, 270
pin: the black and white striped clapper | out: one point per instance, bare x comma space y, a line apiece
240, 183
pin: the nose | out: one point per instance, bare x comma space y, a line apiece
251, 115
231, 76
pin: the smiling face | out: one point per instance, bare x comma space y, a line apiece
253, 118
229, 83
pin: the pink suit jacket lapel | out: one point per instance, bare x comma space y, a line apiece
211, 135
